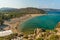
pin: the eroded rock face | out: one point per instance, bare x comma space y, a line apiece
58, 25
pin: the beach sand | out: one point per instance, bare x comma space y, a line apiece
15, 22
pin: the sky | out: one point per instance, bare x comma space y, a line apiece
30, 3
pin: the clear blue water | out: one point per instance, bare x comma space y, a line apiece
45, 22
53, 12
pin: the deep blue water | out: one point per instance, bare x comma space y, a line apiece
53, 12
48, 21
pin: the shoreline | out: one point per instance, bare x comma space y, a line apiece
15, 22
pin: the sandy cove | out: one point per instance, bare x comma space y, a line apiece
14, 23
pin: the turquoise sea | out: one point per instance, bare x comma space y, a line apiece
48, 21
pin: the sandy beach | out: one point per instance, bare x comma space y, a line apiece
14, 23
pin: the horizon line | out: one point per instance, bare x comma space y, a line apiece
27, 7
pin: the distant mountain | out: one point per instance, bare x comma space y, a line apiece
6, 9
29, 10
51, 10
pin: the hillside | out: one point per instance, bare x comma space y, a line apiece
32, 10
28, 10
8, 13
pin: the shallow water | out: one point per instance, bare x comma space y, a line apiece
48, 21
